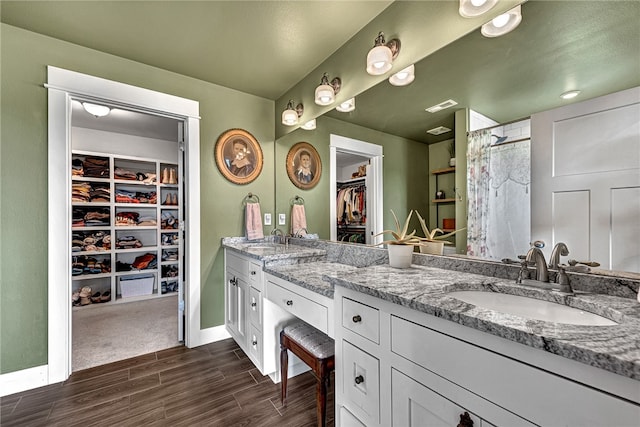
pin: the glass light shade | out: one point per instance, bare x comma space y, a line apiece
379, 60
570, 94
473, 8
403, 77
346, 106
95, 109
502, 24
324, 95
310, 125
289, 117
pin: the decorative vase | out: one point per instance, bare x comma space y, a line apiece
432, 248
400, 256
452, 161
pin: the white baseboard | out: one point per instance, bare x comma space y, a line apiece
26, 379
209, 335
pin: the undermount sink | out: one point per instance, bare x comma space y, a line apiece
531, 308
266, 248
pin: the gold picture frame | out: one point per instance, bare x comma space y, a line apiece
238, 156
304, 166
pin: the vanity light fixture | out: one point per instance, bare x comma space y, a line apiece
570, 94
95, 109
290, 115
403, 77
326, 92
347, 106
310, 125
473, 8
380, 57
502, 24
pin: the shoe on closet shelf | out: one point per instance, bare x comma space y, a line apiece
173, 176
167, 200
75, 298
165, 176
105, 297
174, 199
85, 295
95, 298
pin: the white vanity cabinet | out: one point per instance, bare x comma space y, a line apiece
399, 367
243, 304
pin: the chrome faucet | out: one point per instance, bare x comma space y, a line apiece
559, 249
536, 256
278, 234
298, 232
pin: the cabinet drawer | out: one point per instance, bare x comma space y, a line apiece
361, 382
311, 312
413, 404
255, 306
347, 419
361, 319
237, 263
255, 274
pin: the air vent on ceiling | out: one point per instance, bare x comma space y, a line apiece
444, 104
439, 130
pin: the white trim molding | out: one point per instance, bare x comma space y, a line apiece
25, 379
62, 86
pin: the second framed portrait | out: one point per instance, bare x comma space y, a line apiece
304, 166
238, 156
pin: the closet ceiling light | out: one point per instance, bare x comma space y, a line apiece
570, 94
473, 8
502, 24
310, 125
290, 115
347, 106
96, 110
380, 57
404, 77
326, 92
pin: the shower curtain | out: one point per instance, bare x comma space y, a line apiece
478, 189
509, 207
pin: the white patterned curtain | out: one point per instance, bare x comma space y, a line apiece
509, 223
478, 189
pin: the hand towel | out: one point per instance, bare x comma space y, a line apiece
253, 219
298, 220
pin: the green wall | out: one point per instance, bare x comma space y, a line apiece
405, 173
23, 178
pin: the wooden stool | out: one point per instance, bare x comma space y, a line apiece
315, 349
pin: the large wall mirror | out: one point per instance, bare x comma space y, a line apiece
593, 47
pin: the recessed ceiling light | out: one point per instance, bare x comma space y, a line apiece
570, 94
444, 104
439, 130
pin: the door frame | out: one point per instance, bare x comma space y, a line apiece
62, 86
344, 144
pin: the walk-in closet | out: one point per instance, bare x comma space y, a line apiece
351, 198
126, 243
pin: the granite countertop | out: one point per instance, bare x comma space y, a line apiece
613, 348
425, 289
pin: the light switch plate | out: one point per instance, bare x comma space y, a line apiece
282, 219
267, 219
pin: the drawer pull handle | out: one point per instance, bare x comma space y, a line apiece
254, 304
289, 302
254, 342
253, 273
359, 379
357, 318
233, 281
465, 420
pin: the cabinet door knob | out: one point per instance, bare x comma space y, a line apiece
359, 379
289, 302
357, 318
253, 273
253, 304
233, 281
465, 420
254, 342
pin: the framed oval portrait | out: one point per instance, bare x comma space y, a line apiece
304, 166
238, 156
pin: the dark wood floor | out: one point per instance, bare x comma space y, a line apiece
212, 385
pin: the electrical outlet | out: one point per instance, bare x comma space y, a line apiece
282, 219
267, 219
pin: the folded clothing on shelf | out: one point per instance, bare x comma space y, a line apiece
145, 262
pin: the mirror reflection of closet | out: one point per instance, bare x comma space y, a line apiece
356, 190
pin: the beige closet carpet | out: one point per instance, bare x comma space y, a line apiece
108, 333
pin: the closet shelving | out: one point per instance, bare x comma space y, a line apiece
126, 227
351, 222
446, 201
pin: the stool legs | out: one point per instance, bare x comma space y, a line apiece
322, 385
284, 366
